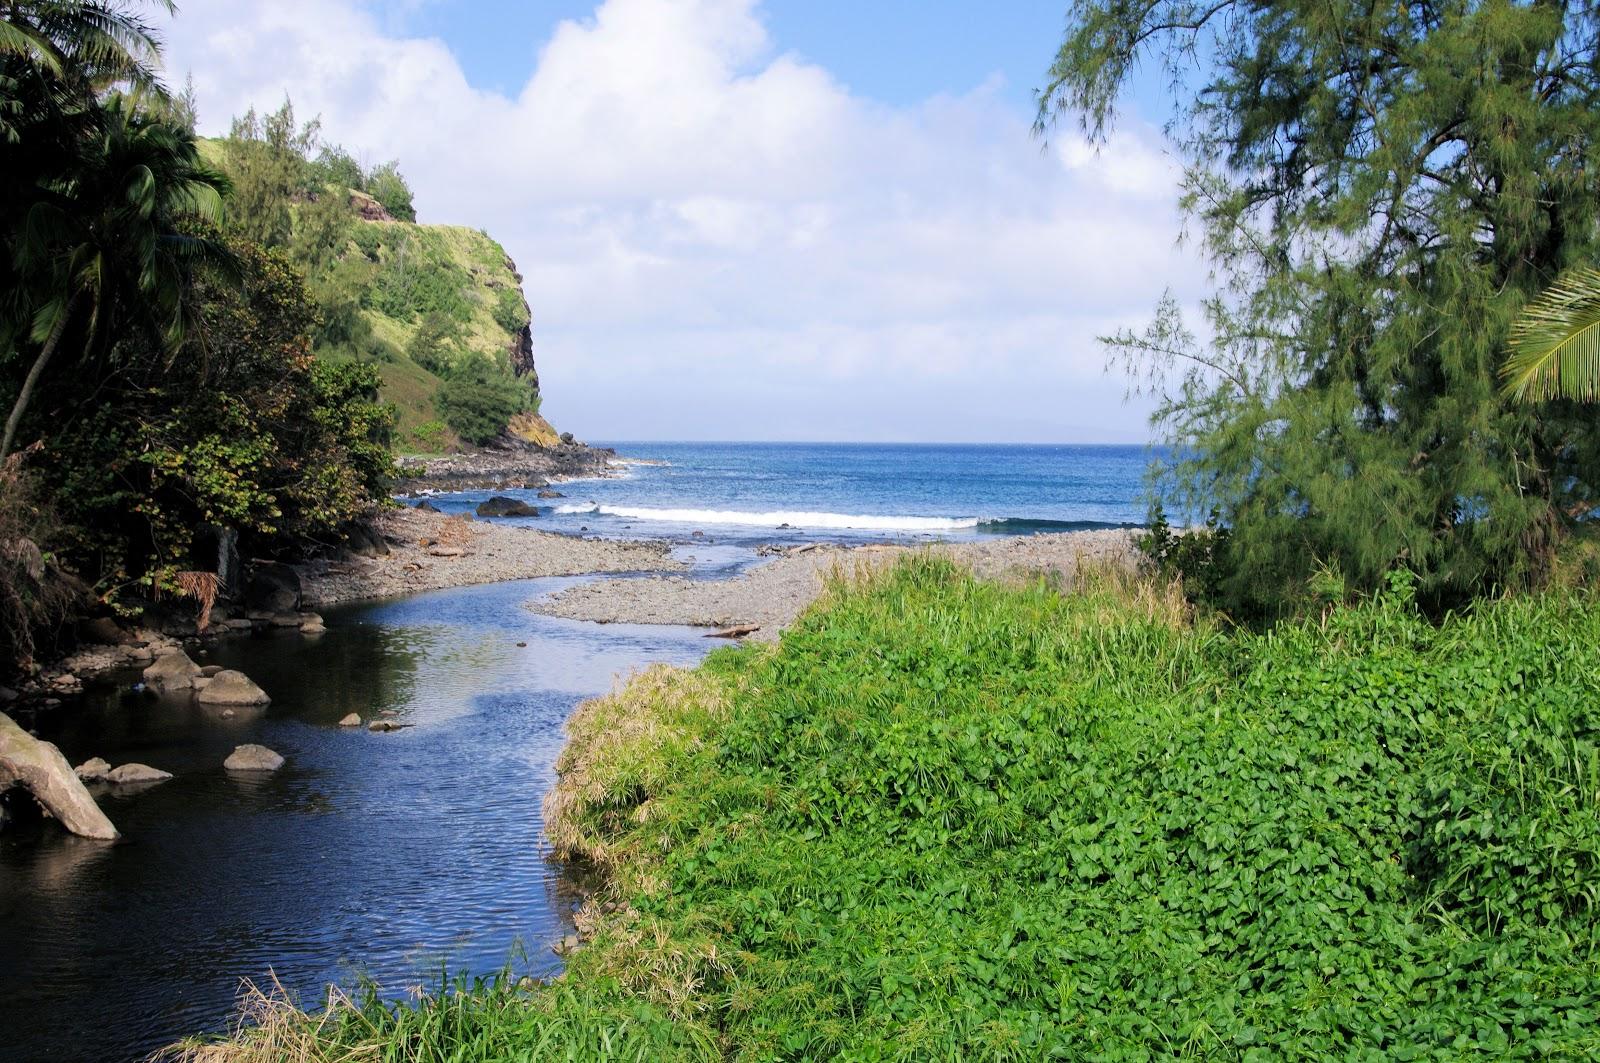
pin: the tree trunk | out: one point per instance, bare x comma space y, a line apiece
49, 348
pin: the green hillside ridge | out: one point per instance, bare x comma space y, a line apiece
423, 303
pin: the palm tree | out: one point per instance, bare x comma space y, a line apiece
72, 50
115, 245
1555, 343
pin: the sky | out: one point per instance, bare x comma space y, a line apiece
735, 219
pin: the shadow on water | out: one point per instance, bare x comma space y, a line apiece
385, 855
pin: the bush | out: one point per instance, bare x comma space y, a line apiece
477, 403
242, 427
511, 310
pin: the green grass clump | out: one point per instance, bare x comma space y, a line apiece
948, 819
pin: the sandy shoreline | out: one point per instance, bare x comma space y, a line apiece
429, 551
771, 595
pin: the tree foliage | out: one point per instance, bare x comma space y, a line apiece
1381, 189
477, 402
241, 427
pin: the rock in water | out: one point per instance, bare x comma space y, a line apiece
93, 770
41, 768
132, 773
501, 506
352, 720
551, 494
253, 758
232, 688
172, 673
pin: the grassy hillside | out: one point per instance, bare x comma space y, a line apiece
423, 302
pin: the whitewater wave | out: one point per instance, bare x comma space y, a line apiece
793, 518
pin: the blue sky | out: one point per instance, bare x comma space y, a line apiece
802, 219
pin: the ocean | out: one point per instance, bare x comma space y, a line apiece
774, 492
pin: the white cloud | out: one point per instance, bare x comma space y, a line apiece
720, 241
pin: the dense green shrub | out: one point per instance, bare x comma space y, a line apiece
949, 820
241, 427
511, 310
477, 403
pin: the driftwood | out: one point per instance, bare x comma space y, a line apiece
40, 767
738, 631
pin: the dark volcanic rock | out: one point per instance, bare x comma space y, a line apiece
501, 506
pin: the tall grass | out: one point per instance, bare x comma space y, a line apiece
948, 819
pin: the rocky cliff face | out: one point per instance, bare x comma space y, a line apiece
521, 349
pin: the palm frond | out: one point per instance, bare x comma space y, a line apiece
1555, 343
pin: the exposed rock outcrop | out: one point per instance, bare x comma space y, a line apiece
252, 757
129, 774
172, 673
501, 506
40, 767
232, 688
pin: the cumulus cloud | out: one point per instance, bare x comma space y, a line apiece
720, 240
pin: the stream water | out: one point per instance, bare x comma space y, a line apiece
387, 856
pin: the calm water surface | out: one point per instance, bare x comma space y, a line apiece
379, 855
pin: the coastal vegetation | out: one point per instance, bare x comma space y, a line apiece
1380, 190
953, 819
209, 338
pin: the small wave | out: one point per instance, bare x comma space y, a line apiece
793, 518
1025, 525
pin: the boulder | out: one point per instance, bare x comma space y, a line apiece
426, 506
232, 688
501, 506
386, 725
40, 767
92, 770
127, 774
311, 622
351, 720
363, 540
551, 494
209, 670
103, 630
272, 588
285, 620
251, 757
171, 673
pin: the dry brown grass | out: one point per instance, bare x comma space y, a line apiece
270, 1028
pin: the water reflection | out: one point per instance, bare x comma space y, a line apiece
383, 855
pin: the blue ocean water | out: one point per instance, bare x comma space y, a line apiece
748, 492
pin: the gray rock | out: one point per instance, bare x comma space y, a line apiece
567, 945
172, 672
285, 620
40, 767
233, 688
92, 770
386, 725
136, 773
209, 670
426, 506
352, 720
551, 494
251, 757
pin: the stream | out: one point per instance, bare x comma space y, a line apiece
384, 856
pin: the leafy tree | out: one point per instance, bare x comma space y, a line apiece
265, 156
511, 310
387, 186
1555, 342
337, 167
477, 403
433, 345
105, 251
1381, 188
240, 426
